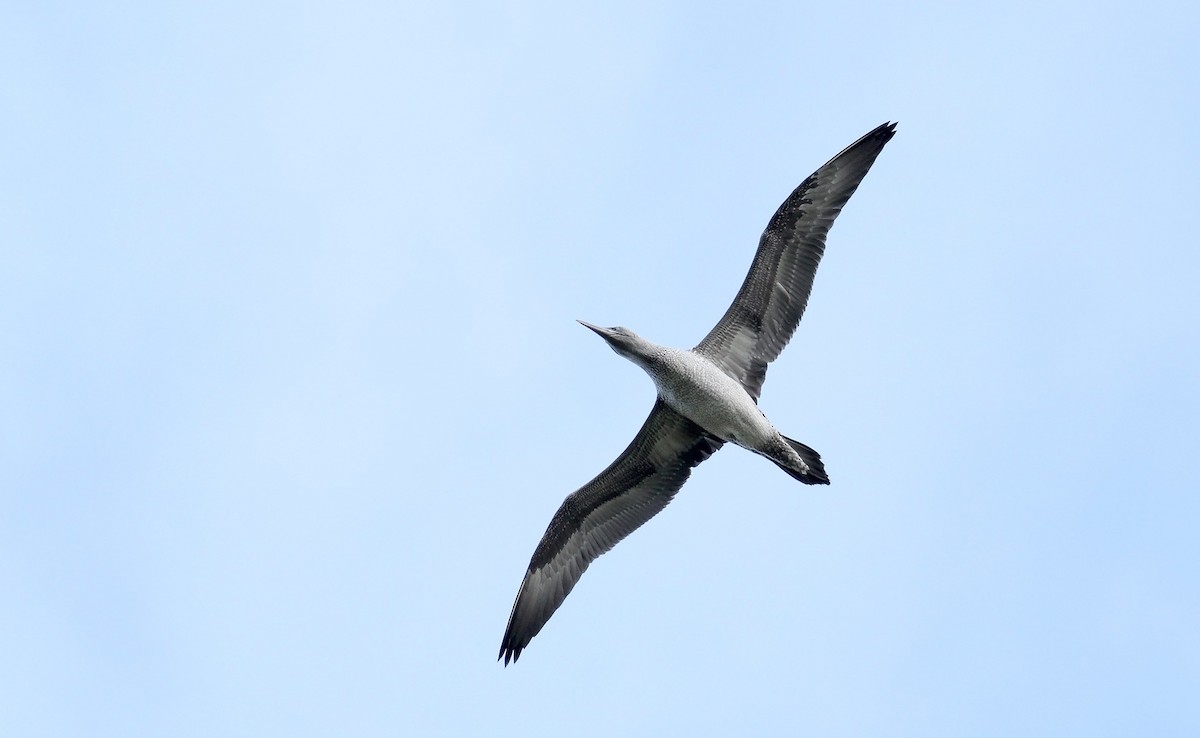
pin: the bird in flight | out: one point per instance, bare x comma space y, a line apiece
707, 396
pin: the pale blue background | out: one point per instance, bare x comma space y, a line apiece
290, 382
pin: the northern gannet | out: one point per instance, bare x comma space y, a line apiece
706, 396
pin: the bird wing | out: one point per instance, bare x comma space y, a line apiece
593, 519
768, 307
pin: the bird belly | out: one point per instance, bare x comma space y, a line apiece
719, 404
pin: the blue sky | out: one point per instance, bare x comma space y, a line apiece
291, 382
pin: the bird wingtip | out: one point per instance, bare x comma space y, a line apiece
509, 654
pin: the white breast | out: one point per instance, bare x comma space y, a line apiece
698, 389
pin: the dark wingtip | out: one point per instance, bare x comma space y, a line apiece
876, 138
507, 653
881, 134
857, 158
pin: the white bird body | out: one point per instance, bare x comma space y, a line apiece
699, 390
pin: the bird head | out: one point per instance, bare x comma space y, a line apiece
622, 340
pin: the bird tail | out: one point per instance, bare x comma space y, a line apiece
815, 474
